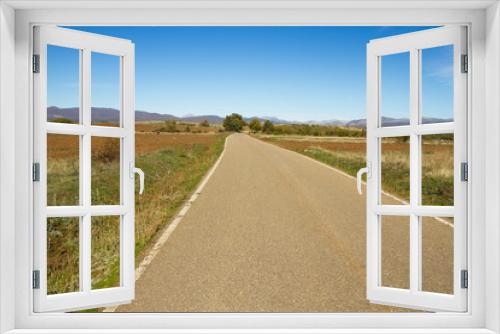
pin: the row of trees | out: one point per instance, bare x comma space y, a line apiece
256, 126
235, 122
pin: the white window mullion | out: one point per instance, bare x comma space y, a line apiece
372, 186
86, 176
127, 233
414, 170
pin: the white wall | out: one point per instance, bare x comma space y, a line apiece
7, 178
492, 212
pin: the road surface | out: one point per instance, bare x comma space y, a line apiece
273, 231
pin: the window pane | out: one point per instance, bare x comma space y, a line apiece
395, 170
395, 89
395, 231
63, 170
106, 89
63, 84
437, 84
437, 254
105, 252
63, 255
105, 171
437, 169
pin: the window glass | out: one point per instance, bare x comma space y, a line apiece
437, 84
63, 170
105, 252
437, 254
63, 255
63, 84
395, 89
105, 171
395, 170
106, 90
437, 169
395, 231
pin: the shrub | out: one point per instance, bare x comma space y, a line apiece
108, 152
255, 125
233, 122
205, 124
268, 126
171, 126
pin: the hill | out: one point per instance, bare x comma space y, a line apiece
112, 115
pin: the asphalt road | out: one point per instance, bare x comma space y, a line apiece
273, 231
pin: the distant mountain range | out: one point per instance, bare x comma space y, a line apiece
112, 115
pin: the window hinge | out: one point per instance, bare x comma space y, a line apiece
465, 64
36, 63
464, 284
36, 279
36, 172
464, 171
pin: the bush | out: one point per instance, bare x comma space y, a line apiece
170, 126
268, 127
108, 152
233, 122
255, 125
205, 124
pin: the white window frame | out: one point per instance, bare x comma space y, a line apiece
483, 18
412, 212
85, 44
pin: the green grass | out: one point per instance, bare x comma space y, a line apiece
349, 164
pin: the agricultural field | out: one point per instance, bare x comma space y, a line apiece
174, 162
348, 155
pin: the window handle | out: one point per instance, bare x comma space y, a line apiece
134, 170
141, 180
359, 177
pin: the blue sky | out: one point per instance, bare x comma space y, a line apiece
294, 73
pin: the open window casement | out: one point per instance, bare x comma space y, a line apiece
409, 217
85, 209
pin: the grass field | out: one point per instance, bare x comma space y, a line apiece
348, 154
174, 163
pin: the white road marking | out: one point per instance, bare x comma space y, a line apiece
171, 227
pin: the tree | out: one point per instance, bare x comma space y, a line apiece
268, 126
233, 122
205, 124
170, 126
255, 125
